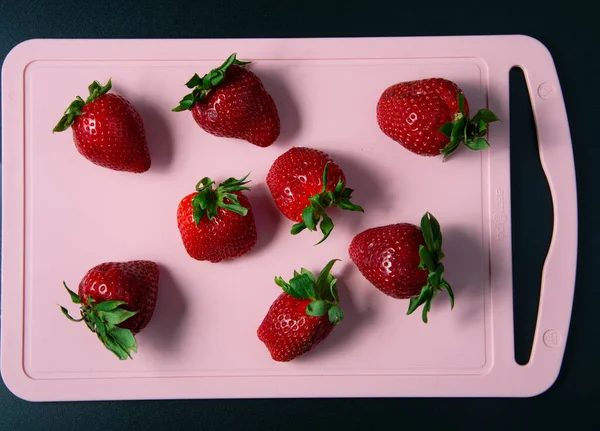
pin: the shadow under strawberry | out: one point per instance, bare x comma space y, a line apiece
368, 192
158, 134
289, 115
267, 216
169, 315
465, 270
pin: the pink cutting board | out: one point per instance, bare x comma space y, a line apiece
62, 215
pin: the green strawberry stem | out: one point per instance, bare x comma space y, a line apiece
209, 200
431, 255
312, 214
321, 290
102, 318
202, 86
75, 108
470, 131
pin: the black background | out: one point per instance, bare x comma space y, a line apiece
568, 29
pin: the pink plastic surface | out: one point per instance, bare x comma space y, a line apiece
62, 215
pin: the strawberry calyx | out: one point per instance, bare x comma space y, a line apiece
208, 200
203, 86
75, 108
102, 318
312, 214
321, 290
431, 255
470, 131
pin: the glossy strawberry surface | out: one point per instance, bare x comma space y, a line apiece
412, 113
388, 257
239, 108
288, 332
110, 133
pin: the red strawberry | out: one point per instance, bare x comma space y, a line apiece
217, 224
230, 101
303, 315
431, 117
304, 182
117, 301
107, 130
403, 261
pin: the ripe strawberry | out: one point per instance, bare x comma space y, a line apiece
304, 182
117, 301
230, 101
431, 117
303, 315
217, 224
107, 130
403, 261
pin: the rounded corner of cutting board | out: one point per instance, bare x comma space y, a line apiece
20, 53
543, 383
19, 383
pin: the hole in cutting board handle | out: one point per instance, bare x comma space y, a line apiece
531, 215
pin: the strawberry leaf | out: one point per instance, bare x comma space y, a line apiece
486, 116
431, 256
116, 316
436, 232
468, 131
334, 291
458, 129
322, 290
302, 287
445, 285
109, 305
120, 341
339, 188
325, 273
434, 278
427, 231
324, 178
477, 144
285, 286
113, 346
194, 81
446, 129
450, 148
317, 308
416, 302
298, 227
308, 273
326, 228
426, 309
99, 325
74, 297
481, 126
124, 338
427, 261
308, 216
208, 199
96, 90
66, 313
324, 281
335, 314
